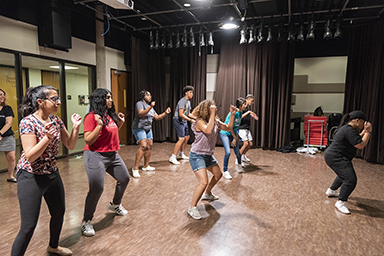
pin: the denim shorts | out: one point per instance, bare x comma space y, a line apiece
141, 134
198, 161
181, 128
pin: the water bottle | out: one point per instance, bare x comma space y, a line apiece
308, 113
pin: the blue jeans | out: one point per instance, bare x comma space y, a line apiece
227, 147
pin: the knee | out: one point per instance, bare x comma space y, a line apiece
203, 183
227, 153
149, 147
245, 143
218, 176
186, 138
96, 189
143, 148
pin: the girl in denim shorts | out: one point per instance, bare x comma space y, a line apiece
201, 157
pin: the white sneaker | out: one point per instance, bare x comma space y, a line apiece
87, 228
181, 155
118, 209
173, 160
194, 213
227, 175
331, 192
340, 205
210, 197
240, 169
245, 158
135, 173
242, 163
148, 168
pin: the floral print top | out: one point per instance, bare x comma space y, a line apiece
46, 163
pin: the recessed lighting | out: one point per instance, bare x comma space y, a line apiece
187, 5
66, 67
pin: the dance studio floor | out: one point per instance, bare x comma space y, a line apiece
277, 207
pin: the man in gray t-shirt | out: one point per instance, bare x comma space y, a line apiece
182, 115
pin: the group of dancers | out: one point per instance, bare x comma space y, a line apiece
41, 132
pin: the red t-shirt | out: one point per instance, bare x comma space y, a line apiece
108, 139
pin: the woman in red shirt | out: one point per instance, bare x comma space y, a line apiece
101, 134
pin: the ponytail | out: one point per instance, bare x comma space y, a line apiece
29, 102
344, 120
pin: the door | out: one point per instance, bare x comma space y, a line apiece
121, 91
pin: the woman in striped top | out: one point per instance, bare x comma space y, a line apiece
201, 157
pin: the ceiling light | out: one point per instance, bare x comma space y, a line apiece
210, 39
201, 38
66, 67
280, 33
270, 33
243, 39
192, 42
338, 32
163, 40
300, 34
157, 40
328, 32
185, 38
291, 32
260, 36
187, 5
170, 43
229, 24
251, 37
311, 30
151, 46
177, 45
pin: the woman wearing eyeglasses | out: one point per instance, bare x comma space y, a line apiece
7, 139
37, 172
101, 134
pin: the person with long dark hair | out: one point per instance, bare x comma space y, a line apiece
201, 157
142, 130
229, 138
101, 134
37, 172
7, 138
340, 153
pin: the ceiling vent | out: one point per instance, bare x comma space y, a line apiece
119, 4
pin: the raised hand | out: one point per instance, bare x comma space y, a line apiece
168, 110
76, 120
232, 109
50, 130
153, 103
213, 109
98, 120
367, 126
121, 117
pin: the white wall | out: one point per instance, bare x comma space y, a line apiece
23, 37
212, 68
34, 77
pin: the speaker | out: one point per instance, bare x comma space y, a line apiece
54, 25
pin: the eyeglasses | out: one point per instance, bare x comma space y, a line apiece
54, 99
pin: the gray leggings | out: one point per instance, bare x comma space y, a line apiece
96, 165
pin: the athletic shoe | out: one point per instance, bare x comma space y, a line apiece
148, 168
245, 158
87, 228
118, 209
240, 169
331, 192
242, 163
210, 197
227, 175
181, 155
135, 173
194, 213
340, 205
62, 251
173, 160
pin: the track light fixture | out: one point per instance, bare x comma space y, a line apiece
300, 34
311, 30
192, 42
201, 38
243, 39
170, 42
157, 40
185, 37
163, 40
328, 32
177, 44
251, 36
338, 32
260, 36
211, 43
270, 33
280, 33
151, 45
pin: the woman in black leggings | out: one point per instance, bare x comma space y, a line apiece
340, 153
37, 173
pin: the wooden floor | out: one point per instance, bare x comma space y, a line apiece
277, 207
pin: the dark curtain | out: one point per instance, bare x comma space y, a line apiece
266, 71
364, 86
187, 67
148, 72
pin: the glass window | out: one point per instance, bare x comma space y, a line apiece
78, 84
42, 71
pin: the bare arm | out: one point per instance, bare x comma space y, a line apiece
228, 127
91, 137
162, 115
181, 114
70, 141
7, 125
33, 150
143, 112
121, 117
207, 128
